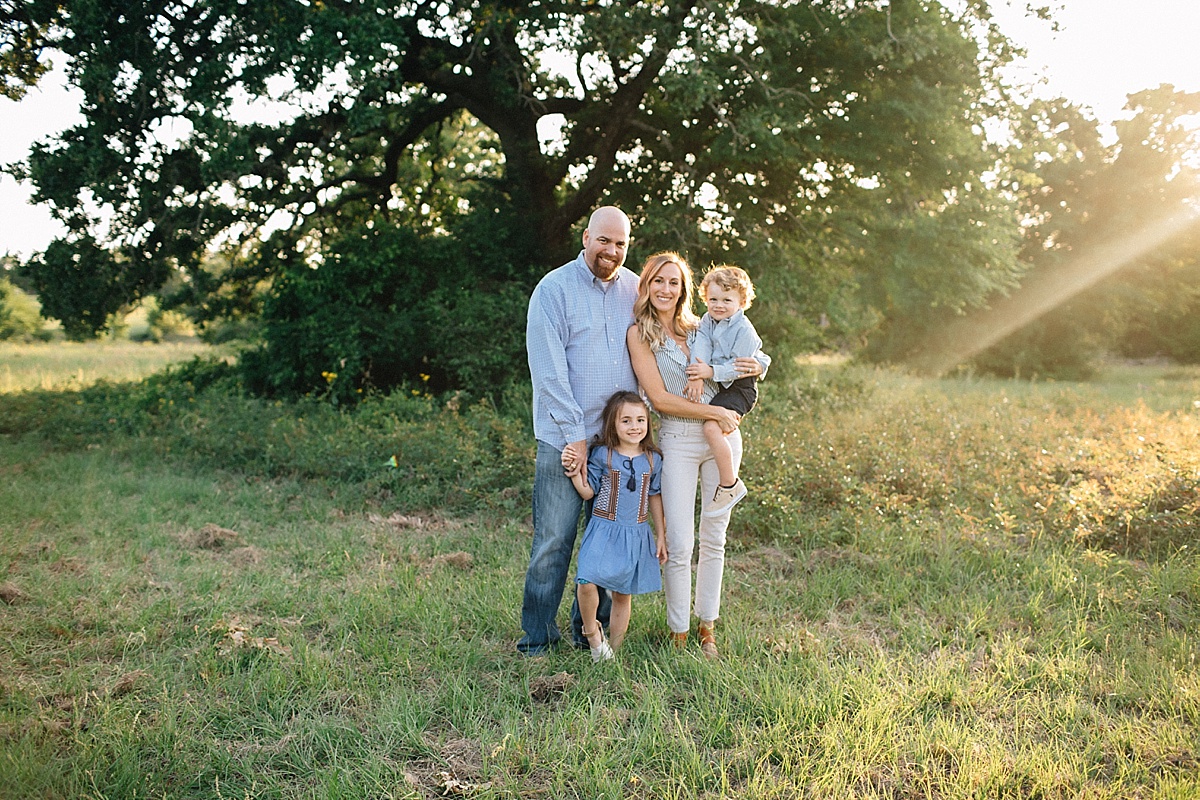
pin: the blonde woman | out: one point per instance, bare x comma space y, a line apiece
660, 343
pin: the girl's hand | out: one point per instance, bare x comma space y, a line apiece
574, 458
661, 550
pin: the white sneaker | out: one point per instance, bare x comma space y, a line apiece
603, 651
725, 499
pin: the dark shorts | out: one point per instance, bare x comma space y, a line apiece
741, 396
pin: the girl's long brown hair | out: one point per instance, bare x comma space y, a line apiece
608, 422
650, 329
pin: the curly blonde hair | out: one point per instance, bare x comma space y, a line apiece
730, 278
650, 329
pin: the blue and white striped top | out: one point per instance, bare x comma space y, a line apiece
575, 338
672, 366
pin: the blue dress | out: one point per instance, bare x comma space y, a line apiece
618, 550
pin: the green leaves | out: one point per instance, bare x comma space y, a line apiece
25, 27
78, 284
834, 149
1092, 212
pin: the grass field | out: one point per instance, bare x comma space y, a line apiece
938, 589
74, 365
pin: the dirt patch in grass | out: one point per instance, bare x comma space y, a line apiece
128, 683
212, 537
549, 688
247, 556
10, 595
68, 566
456, 772
458, 560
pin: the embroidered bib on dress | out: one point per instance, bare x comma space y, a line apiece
605, 504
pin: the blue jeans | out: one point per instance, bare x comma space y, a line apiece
556, 511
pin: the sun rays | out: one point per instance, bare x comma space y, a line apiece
1042, 292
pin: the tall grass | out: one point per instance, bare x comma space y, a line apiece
937, 589
75, 365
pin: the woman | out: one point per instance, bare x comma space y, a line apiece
659, 347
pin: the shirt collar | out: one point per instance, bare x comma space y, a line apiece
741, 312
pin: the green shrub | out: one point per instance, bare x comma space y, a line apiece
845, 446
20, 315
223, 331
448, 455
480, 341
829, 455
1174, 334
167, 324
150, 323
389, 306
1059, 346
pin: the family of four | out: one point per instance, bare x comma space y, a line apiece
605, 347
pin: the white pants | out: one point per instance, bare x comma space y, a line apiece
686, 459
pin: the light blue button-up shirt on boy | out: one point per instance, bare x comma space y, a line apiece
718, 343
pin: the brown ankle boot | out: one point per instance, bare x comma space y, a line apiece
708, 641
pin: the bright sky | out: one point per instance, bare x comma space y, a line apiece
1104, 50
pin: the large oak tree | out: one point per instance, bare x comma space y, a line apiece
834, 147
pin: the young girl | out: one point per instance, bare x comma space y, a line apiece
623, 472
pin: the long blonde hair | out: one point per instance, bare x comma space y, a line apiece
650, 329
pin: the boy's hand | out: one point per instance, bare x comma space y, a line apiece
699, 371
694, 390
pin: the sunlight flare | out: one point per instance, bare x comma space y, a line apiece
1041, 293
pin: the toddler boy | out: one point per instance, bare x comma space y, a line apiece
725, 334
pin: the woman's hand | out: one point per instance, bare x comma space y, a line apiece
747, 367
651, 383
727, 419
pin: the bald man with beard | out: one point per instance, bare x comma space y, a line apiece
575, 337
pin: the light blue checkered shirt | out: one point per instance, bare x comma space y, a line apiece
575, 336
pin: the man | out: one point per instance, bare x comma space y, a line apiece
575, 336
